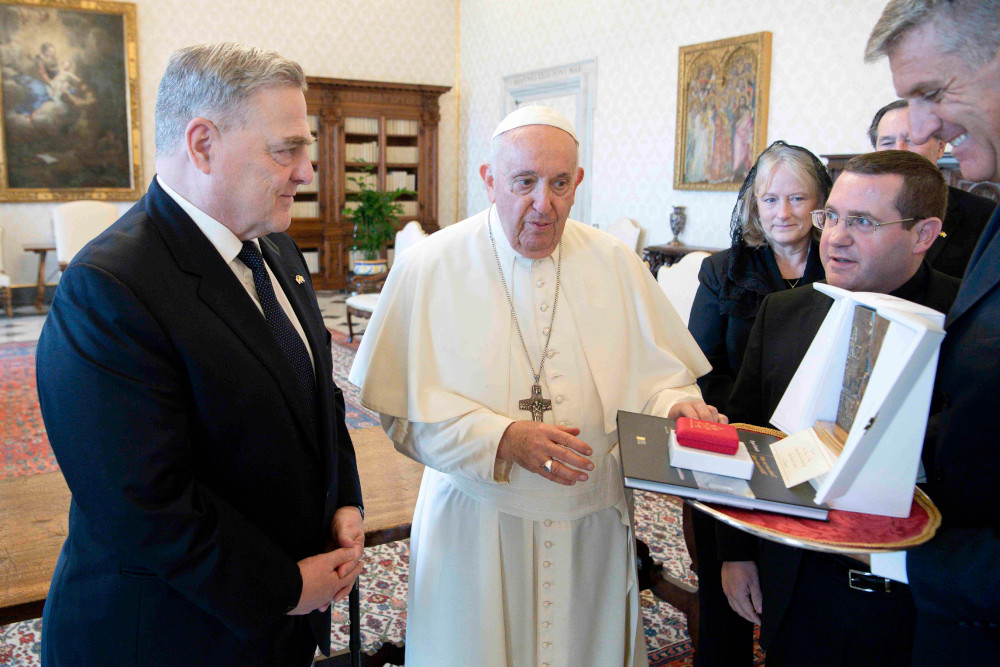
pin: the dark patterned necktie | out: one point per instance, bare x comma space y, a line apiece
288, 338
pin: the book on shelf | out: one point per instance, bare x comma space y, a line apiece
394, 180
312, 260
305, 209
366, 151
402, 154
354, 180
409, 208
397, 127
309, 188
644, 445
355, 125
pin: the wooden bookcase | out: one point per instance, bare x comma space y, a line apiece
389, 129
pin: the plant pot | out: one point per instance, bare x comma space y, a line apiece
370, 267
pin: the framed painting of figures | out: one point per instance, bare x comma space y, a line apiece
69, 99
722, 91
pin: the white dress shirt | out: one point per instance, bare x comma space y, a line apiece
229, 246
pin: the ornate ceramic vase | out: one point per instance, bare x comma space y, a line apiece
677, 220
369, 267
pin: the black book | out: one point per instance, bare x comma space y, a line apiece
643, 441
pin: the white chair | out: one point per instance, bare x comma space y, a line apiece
363, 305
626, 230
6, 296
680, 282
77, 223
406, 238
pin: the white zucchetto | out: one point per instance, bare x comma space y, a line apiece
535, 115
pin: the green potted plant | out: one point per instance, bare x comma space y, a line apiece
374, 215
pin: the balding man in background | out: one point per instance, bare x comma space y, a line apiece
967, 213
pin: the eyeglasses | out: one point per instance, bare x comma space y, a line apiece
823, 219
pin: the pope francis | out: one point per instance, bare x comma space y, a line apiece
501, 350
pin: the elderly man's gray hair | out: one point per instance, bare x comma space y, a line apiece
969, 29
215, 81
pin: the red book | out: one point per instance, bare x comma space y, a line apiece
710, 436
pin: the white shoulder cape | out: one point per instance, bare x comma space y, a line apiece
438, 342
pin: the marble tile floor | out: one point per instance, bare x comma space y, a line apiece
26, 323
331, 304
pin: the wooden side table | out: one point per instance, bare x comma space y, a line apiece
669, 253
40, 249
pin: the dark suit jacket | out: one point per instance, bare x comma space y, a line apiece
963, 223
955, 578
785, 326
723, 337
197, 479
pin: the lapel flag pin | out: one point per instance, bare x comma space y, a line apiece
299, 279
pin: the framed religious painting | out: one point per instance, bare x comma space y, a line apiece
69, 98
722, 91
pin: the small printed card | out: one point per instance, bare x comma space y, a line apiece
710, 436
801, 457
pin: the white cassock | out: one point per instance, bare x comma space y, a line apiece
506, 567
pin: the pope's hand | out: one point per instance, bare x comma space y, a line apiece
531, 444
697, 410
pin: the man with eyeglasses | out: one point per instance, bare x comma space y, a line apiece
967, 213
882, 215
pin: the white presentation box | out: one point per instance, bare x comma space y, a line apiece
877, 470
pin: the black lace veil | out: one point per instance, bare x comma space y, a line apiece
743, 290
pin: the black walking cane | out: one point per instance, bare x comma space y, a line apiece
354, 611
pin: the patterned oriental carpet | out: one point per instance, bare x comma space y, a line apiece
24, 450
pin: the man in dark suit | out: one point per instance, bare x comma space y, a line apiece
185, 379
945, 59
967, 213
882, 215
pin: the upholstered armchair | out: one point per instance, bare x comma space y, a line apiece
626, 230
77, 223
680, 282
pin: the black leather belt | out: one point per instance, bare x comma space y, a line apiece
868, 582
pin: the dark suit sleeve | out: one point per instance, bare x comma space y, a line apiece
708, 326
746, 401
117, 408
969, 593
348, 491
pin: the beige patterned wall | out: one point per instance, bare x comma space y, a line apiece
411, 41
822, 95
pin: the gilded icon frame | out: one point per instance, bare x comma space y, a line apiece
722, 102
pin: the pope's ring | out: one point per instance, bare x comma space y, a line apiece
548, 466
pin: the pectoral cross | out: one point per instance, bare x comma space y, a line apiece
536, 404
